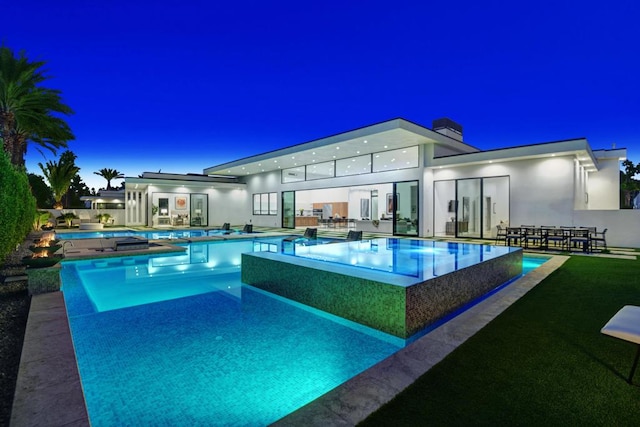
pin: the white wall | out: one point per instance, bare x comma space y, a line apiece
602, 184
621, 225
541, 190
225, 205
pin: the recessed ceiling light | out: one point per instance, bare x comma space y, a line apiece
385, 146
275, 161
365, 141
337, 148
314, 153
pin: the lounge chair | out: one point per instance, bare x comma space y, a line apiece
131, 243
625, 325
309, 234
354, 236
226, 226
248, 228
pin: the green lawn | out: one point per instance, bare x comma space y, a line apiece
542, 362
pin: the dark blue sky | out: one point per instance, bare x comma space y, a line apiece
180, 86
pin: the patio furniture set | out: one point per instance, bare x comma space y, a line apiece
587, 239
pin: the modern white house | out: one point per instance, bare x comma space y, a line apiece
400, 178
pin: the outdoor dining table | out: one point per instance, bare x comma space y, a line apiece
542, 236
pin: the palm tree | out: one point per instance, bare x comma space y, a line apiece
109, 174
59, 175
28, 111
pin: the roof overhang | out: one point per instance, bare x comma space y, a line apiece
180, 180
389, 135
575, 147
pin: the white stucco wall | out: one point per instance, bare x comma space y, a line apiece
541, 190
602, 185
621, 225
224, 205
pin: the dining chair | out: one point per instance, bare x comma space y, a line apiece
581, 237
558, 236
599, 238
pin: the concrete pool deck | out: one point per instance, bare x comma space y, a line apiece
49, 392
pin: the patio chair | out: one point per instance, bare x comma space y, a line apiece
558, 236
354, 236
625, 325
598, 238
513, 234
580, 237
501, 234
537, 236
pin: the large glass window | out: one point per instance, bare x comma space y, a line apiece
199, 210
320, 170
265, 204
293, 174
406, 208
471, 207
468, 211
353, 166
402, 158
288, 212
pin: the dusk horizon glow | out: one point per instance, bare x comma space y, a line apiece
180, 87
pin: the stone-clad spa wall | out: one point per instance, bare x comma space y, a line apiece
375, 304
431, 300
397, 310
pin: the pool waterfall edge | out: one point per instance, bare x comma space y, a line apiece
398, 310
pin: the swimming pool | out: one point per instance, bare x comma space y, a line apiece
179, 340
154, 235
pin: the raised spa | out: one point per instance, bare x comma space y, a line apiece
398, 286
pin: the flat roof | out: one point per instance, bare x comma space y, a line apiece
384, 136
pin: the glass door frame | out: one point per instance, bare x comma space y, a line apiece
414, 216
288, 219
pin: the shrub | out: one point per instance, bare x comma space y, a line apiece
17, 206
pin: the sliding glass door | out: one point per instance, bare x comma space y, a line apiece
288, 209
472, 207
404, 206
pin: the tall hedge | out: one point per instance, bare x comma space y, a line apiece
17, 206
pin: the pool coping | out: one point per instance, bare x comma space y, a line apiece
49, 391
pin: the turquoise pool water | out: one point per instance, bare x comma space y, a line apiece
157, 234
179, 340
